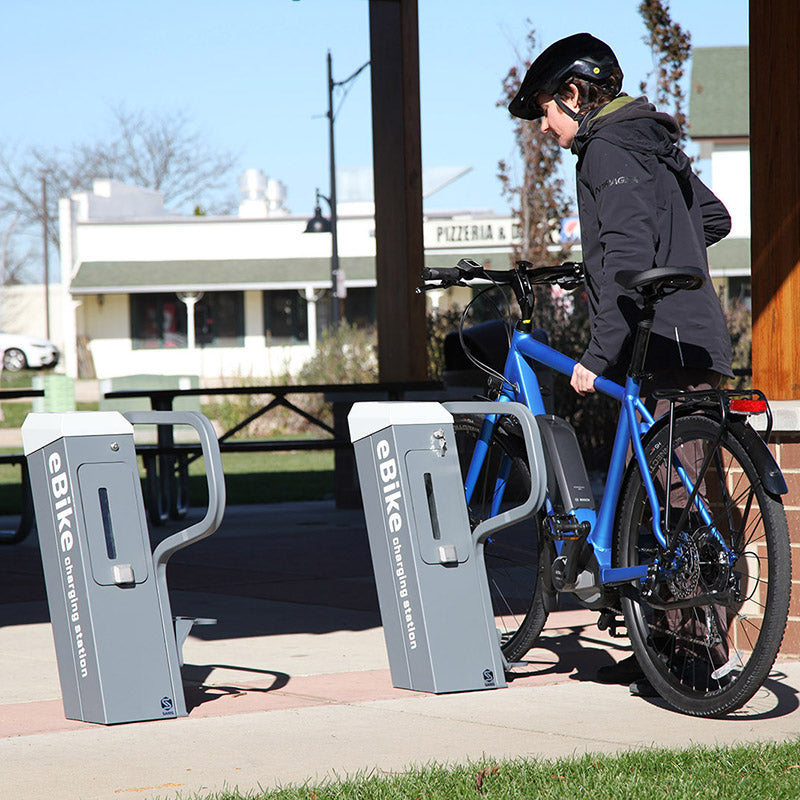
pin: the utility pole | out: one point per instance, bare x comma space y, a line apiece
45, 250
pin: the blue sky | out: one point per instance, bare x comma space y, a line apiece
251, 75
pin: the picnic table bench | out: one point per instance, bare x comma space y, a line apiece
26, 517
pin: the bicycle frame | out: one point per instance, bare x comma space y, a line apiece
522, 386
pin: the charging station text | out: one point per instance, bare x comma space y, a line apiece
61, 495
59, 485
392, 495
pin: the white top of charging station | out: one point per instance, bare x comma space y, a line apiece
41, 429
365, 419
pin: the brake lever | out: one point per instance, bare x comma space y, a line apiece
428, 287
569, 284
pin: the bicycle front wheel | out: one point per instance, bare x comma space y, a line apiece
516, 557
707, 630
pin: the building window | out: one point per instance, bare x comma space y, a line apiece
359, 307
157, 320
219, 319
739, 290
285, 317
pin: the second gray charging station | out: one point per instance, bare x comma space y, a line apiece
118, 655
429, 569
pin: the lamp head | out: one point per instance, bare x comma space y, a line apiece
318, 223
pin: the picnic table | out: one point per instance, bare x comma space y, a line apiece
166, 463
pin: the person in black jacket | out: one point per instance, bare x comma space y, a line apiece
640, 206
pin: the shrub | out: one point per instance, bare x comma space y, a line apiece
345, 355
739, 319
438, 325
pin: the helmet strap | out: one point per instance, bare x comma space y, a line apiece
567, 110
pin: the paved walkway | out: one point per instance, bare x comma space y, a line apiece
293, 683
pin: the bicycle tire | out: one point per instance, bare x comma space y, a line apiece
708, 660
514, 567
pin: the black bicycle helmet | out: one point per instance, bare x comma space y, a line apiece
580, 55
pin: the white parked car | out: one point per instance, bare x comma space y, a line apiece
26, 352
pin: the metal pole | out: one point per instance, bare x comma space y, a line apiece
45, 225
335, 306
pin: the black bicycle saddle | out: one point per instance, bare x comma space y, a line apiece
661, 280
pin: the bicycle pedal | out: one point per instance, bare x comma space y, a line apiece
567, 527
607, 621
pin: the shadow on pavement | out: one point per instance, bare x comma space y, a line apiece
197, 693
309, 556
571, 651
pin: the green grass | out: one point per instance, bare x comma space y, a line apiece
15, 411
249, 478
22, 379
269, 477
725, 773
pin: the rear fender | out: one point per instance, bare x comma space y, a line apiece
768, 470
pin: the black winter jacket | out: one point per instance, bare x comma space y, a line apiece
641, 206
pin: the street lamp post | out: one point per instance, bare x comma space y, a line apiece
315, 225
335, 304
319, 224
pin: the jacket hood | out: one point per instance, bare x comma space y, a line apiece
634, 123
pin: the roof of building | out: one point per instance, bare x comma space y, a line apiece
132, 277
113, 277
719, 102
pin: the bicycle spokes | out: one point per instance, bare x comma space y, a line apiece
711, 613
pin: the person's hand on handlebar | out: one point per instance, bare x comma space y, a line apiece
582, 380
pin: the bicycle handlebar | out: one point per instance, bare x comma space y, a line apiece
568, 275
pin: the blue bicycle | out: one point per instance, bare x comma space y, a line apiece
689, 543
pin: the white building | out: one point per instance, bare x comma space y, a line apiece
149, 292
719, 121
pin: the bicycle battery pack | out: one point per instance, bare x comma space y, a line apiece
567, 479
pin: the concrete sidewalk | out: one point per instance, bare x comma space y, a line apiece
293, 683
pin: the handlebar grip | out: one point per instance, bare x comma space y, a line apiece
441, 274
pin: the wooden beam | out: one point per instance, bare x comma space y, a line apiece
775, 195
397, 167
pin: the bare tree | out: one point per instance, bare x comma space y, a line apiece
162, 152
537, 193
671, 47
13, 263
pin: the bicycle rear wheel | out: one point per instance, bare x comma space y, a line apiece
516, 557
709, 657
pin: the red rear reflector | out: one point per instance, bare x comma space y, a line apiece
748, 406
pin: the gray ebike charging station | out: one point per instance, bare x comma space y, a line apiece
429, 568
116, 645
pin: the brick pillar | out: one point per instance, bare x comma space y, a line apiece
785, 446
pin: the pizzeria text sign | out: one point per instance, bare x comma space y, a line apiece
476, 232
